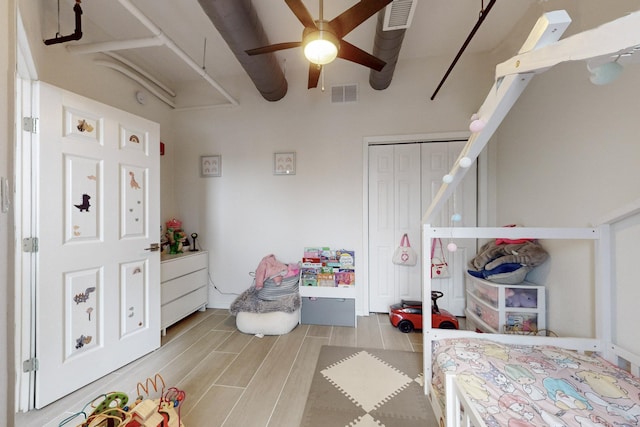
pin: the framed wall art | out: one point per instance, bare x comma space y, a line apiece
284, 163
210, 166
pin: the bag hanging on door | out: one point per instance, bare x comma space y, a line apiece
404, 254
439, 266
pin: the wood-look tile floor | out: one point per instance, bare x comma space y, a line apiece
232, 379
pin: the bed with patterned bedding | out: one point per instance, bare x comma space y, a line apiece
526, 385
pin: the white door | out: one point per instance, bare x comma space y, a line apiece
436, 162
403, 178
394, 209
98, 287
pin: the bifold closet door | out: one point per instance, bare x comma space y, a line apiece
394, 209
437, 159
403, 179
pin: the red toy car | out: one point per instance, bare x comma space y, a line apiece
407, 315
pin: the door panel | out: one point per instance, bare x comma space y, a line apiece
403, 179
436, 162
394, 209
98, 289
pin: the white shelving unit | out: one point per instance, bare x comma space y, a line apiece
184, 278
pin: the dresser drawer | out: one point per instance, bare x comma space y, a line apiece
173, 266
173, 289
187, 304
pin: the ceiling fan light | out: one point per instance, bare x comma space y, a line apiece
320, 47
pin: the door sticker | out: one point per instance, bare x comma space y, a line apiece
131, 139
81, 310
82, 126
82, 189
133, 293
133, 193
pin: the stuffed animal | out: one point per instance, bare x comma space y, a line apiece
527, 298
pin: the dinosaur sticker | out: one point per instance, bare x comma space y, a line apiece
83, 296
85, 205
134, 184
82, 341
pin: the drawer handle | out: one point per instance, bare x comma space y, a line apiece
153, 248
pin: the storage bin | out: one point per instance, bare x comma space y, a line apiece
328, 311
493, 307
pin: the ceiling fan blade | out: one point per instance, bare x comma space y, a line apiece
355, 54
314, 75
273, 48
344, 23
299, 9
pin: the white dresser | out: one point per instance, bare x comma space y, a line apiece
184, 278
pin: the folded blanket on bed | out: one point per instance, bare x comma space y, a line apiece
250, 302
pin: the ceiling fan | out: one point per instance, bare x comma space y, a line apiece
323, 40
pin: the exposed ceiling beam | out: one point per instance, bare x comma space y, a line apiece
158, 39
610, 39
139, 79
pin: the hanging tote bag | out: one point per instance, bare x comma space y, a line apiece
439, 266
404, 254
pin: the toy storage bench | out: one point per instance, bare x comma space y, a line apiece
497, 308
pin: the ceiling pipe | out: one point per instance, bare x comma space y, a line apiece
171, 45
238, 24
82, 49
135, 77
158, 39
386, 46
483, 15
77, 34
140, 70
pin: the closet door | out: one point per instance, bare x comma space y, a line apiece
403, 179
394, 209
436, 162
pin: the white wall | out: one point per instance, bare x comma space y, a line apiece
249, 213
568, 153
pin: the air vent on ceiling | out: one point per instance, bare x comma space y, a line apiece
398, 14
345, 93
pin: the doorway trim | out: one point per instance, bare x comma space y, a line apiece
363, 291
25, 75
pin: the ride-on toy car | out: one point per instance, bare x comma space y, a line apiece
407, 315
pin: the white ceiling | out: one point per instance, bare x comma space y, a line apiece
439, 28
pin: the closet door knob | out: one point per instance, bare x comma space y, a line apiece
153, 248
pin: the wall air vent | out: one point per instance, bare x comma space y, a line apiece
345, 93
398, 14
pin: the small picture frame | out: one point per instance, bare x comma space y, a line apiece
210, 166
284, 163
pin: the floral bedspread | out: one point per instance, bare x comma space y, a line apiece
515, 385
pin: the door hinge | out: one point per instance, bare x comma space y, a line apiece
30, 365
30, 244
30, 124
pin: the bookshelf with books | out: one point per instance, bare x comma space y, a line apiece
328, 286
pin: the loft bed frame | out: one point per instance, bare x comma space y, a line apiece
541, 51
